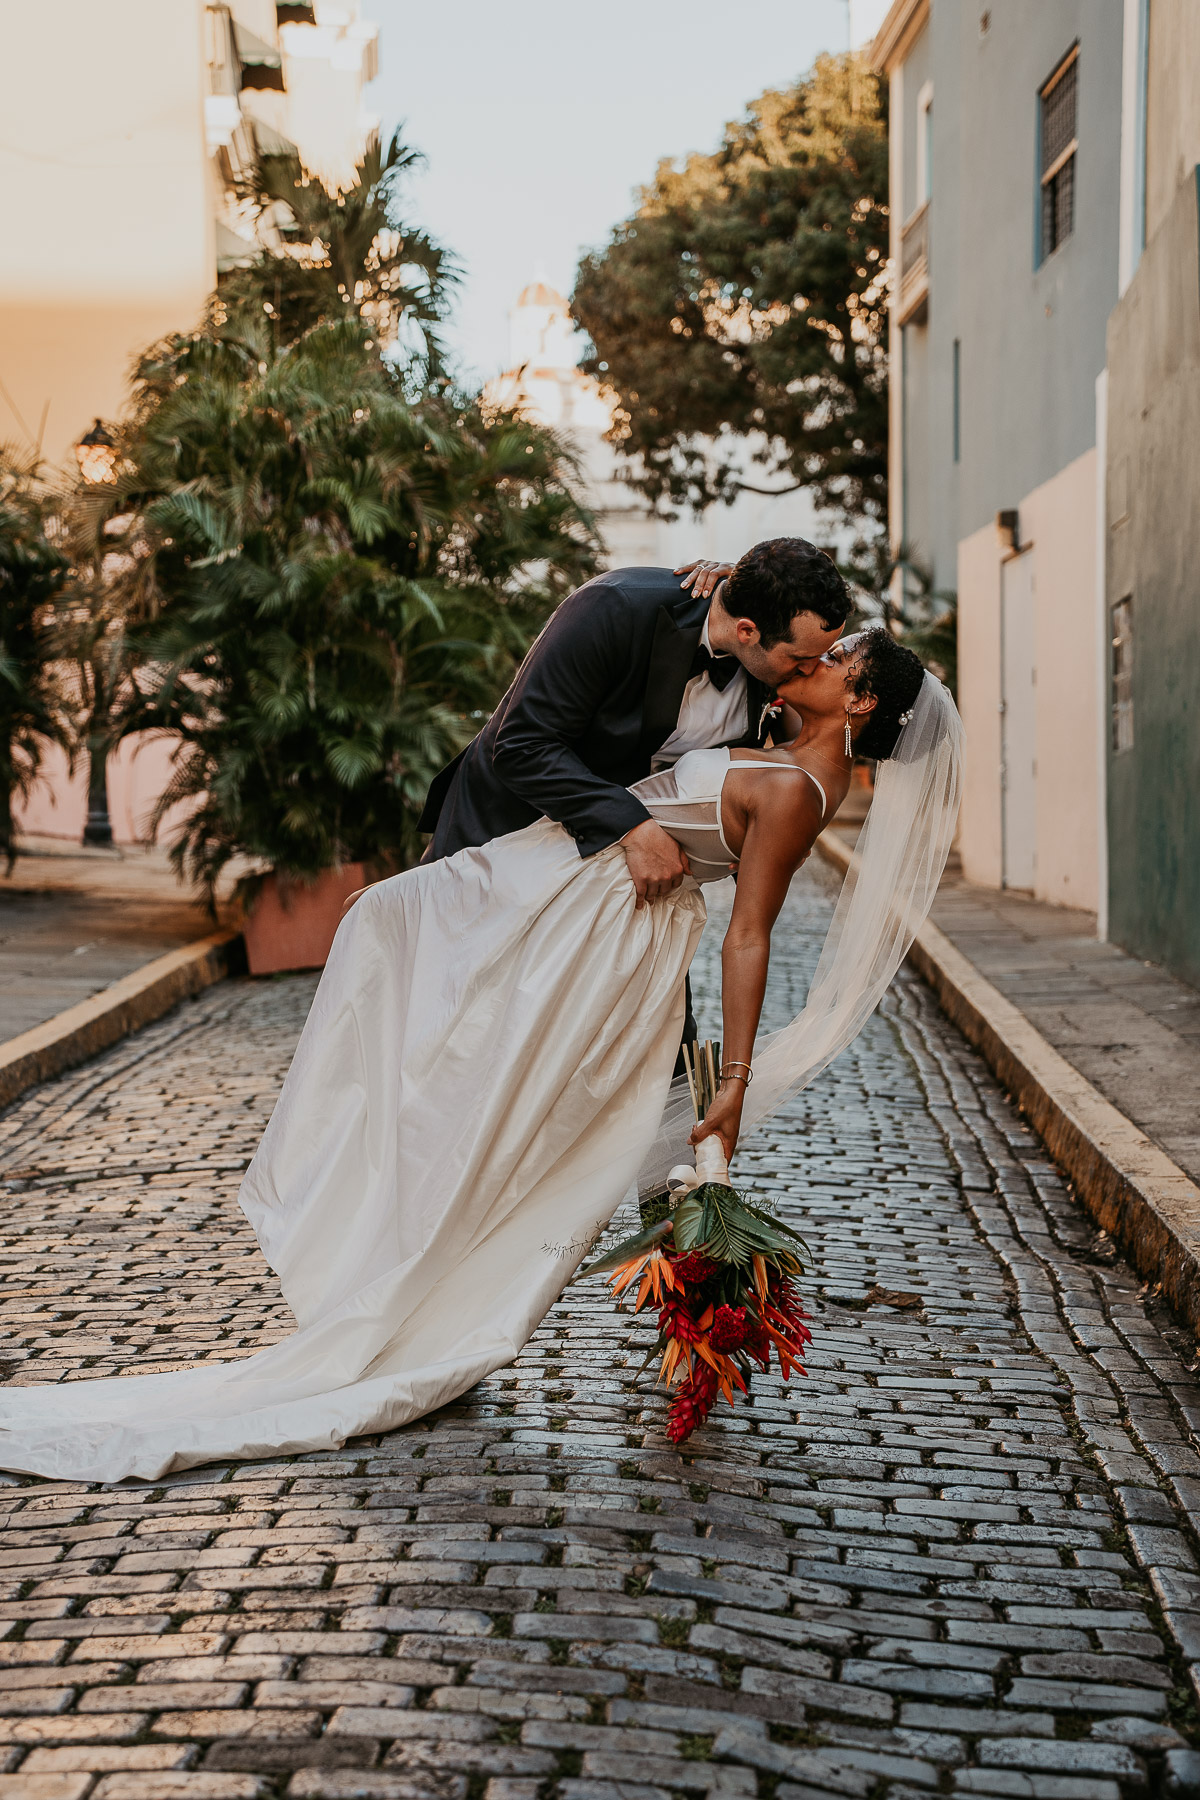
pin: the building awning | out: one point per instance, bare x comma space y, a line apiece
253, 52
271, 142
233, 252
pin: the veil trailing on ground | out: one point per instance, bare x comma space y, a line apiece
885, 899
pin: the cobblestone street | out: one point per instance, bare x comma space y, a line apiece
954, 1559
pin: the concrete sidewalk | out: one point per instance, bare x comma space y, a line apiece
74, 921
1127, 1026
1130, 1028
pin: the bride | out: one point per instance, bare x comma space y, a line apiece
487, 1066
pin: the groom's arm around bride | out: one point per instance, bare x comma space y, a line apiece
629, 665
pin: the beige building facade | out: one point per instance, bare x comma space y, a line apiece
126, 131
1045, 433
108, 223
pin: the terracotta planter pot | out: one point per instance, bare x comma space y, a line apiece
292, 923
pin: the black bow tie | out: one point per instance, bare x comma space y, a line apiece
719, 669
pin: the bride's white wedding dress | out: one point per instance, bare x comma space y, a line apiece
481, 1075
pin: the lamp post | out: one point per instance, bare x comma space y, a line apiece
96, 454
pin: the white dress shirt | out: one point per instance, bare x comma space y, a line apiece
707, 715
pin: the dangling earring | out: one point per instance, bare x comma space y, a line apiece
849, 739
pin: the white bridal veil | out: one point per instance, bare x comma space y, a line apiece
885, 898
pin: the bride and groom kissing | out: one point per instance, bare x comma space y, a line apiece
487, 1064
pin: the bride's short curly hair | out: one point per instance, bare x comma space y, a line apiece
892, 674
781, 577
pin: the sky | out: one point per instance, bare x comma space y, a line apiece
539, 119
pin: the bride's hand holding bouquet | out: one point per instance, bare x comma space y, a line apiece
723, 1118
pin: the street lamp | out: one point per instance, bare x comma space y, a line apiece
98, 829
96, 454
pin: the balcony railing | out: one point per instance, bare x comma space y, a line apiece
912, 304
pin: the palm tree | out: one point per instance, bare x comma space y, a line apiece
325, 583
33, 710
319, 562
347, 253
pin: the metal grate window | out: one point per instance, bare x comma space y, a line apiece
1058, 103
1122, 675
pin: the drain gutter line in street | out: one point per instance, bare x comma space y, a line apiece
1143, 1200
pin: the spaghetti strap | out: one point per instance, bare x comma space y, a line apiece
752, 763
819, 788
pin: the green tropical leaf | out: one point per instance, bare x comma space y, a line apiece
628, 1248
717, 1221
689, 1217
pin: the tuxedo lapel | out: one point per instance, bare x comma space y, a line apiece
672, 649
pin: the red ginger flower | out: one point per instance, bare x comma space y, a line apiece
675, 1321
728, 1328
692, 1404
785, 1298
694, 1267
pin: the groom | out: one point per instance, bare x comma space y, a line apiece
630, 672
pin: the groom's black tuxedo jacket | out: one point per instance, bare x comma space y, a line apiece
597, 695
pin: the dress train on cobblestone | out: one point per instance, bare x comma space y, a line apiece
484, 1065
485, 1070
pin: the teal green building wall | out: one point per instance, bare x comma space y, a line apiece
1153, 557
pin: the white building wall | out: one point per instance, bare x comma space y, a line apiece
1058, 535
993, 404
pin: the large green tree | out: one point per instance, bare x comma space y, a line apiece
747, 296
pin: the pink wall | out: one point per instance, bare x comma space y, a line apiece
137, 774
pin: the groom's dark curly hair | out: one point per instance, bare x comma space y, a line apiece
782, 577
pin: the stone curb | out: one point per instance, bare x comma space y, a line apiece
138, 999
1145, 1202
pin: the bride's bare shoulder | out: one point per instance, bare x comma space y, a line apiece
780, 813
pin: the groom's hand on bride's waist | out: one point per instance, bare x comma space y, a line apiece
656, 862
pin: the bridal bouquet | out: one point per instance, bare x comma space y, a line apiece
721, 1272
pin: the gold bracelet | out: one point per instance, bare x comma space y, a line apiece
734, 1063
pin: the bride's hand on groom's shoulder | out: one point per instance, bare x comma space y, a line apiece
724, 1117
703, 577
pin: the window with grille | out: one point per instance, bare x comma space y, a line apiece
1122, 675
1058, 107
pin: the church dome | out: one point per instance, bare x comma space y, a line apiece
539, 294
